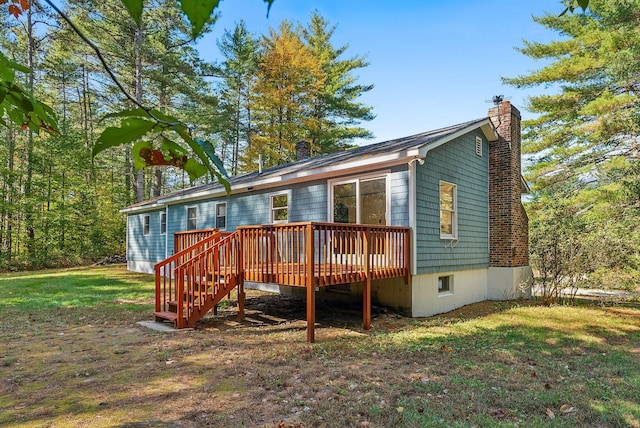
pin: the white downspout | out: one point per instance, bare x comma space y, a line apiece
413, 213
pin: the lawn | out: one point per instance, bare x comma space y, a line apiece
73, 355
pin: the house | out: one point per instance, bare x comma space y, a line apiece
441, 225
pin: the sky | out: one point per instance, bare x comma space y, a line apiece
433, 63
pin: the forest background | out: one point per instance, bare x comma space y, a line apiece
59, 204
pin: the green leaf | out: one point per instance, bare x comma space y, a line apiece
174, 149
198, 12
195, 169
210, 151
584, 4
134, 7
199, 151
138, 161
130, 130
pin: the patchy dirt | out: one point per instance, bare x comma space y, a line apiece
97, 367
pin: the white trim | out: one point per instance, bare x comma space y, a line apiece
454, 219
357, 179
413, 215
479, 144
271, 217
166, 235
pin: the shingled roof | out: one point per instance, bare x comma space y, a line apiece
309, 165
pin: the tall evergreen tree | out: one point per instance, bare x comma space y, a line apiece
239, 49
336, 109
585, 145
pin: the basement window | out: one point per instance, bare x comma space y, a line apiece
445, 284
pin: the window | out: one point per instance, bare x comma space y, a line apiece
445, 284
361, 200
280, 208
192, 222
479, 146
221, 216
163, 223
448, 217
146, 225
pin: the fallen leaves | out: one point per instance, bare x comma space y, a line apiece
565, 409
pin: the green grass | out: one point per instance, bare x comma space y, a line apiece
72, 288
72, 355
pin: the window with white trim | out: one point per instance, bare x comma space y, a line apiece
163, 223
361, 200
280, 208
192, 218
145, 224
448, 211
445, 284
221, 216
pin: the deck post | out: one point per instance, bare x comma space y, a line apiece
240, 275
311, 291
366, 289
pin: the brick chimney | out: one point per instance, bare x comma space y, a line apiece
303, 150
508, 222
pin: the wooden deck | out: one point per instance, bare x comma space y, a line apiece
295, 254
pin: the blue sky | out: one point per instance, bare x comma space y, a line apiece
433, 63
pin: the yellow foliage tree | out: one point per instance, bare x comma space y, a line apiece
288, 82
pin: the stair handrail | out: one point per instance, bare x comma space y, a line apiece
163, 291
200, 265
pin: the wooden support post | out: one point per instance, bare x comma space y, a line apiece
366, 289
311, 289
241, 296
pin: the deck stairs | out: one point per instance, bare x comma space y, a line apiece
196, 279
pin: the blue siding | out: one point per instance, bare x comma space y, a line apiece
141, 247
307, 202
455, 162
399, 196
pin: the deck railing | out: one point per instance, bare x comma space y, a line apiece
187, 238
330, 253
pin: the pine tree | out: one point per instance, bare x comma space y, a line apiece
239, 49
336, 110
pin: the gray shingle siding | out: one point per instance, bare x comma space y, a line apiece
455, 162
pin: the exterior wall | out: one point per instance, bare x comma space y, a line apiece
469, 286
399, 196
506, 283
307, 202
455, 162
141, 247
